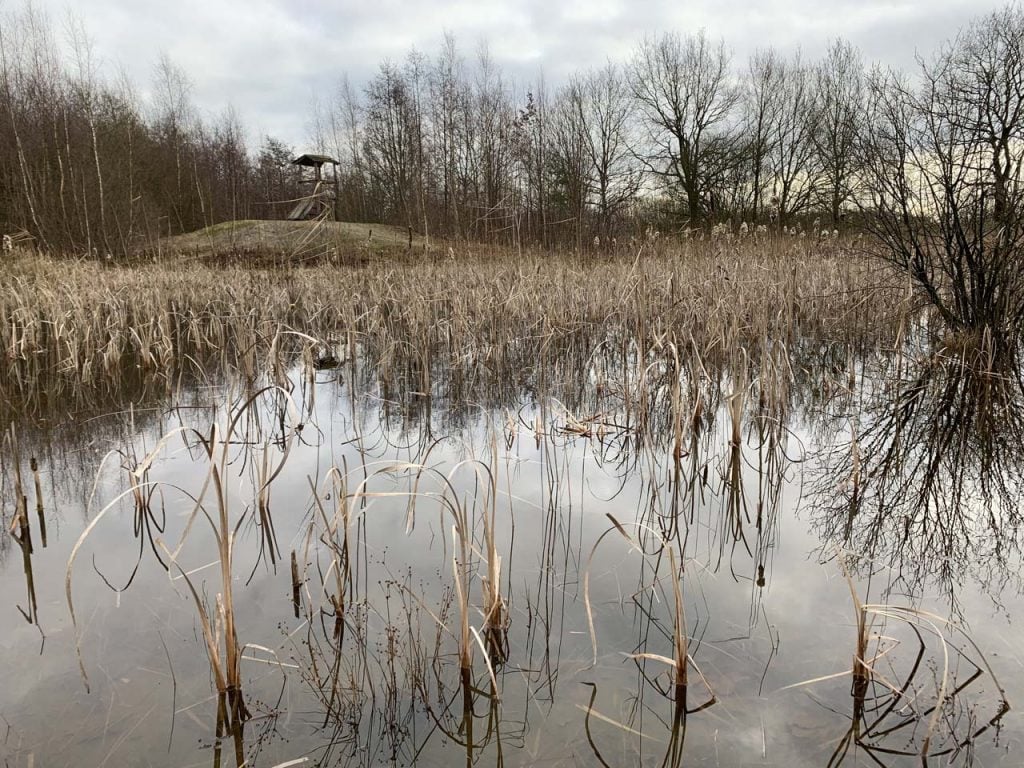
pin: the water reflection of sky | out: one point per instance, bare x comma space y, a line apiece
143, 649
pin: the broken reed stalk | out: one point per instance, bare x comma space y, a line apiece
21, 529
495, 619
736, 402
138, 482
220, 629
343, 568
218, 453
680, 639
296, 585
263, 505
20, 521
31, 615
462, 597
861, 671
680, 659
677, 442
40, 514
341, 561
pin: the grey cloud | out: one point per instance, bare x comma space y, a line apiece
269, 57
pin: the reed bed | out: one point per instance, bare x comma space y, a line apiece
80, 332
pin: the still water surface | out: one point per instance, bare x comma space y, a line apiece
762, 533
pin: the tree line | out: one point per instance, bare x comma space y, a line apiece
88, 166
680, 135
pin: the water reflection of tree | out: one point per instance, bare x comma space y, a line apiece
926, 478
921, 483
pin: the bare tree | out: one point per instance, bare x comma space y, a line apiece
942, 163
592, 158
86, 88
273, 168
390, 140
982, 76
568, 159
683, 89
347, 125
228, 185
605, 111
416, 78
760, 106
839, 94
492, 155
529, 138
174, 120
449, 105
794, 165
87, 167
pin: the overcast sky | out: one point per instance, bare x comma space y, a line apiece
268, 58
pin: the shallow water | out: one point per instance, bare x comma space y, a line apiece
770, 614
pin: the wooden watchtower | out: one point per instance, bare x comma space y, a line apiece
322, 197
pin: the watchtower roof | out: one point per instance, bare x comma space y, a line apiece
313, 161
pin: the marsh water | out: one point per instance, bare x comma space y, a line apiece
846, 553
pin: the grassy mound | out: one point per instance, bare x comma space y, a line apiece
297, 241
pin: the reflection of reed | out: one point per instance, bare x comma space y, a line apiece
681, 661
218, 449
919, 702
355, 683
547, 599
